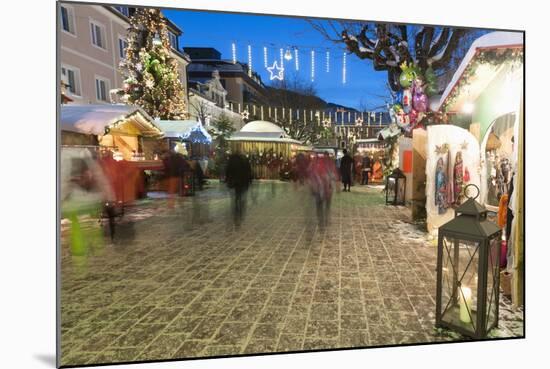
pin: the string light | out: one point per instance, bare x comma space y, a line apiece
344, 69
281, 58
234, 53
265, 57
249, 61
312, 65
296, 61
328, 61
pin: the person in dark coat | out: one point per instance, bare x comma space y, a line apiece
366, 170
238, 177
346, 165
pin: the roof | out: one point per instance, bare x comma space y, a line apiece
493, 40
184, 129
262, 126
263, 138
96, 119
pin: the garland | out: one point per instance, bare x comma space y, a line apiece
494, 58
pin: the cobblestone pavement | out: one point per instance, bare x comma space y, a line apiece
183, 283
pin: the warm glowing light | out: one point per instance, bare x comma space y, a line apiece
468, 107
288, 55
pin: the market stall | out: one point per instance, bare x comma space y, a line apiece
485, 96
126, 129
267, 146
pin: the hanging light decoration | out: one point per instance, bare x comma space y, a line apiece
296, 61
265, 57
156, 40
312, 65
234, 53
328, 61
281, 58
344, 69
249, 60
288, 55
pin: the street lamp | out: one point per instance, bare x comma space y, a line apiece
468, 271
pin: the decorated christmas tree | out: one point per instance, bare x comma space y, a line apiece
151, 74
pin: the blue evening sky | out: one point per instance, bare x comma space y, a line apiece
219, 30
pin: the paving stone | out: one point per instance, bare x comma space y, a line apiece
182, 288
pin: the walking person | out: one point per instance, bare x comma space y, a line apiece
346, 165
367, 163
238, 177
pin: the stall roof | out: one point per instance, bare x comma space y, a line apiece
493, 40
184, 129
96, 119
262, 137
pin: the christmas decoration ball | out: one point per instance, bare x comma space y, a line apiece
420, 102
406, 78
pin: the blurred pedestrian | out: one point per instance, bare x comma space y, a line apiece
346, 165
238, 177
322, 178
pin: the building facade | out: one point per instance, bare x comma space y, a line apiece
242, 87
92, 44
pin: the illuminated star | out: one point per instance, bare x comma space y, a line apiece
279, 74
358, 121
245, 114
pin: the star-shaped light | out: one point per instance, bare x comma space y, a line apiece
358, 121
245, 114
326, 122
276, 75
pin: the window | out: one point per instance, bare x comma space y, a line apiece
67, 19
122, 45
71, 77
123, 10
101, 89
173, 40
98, 35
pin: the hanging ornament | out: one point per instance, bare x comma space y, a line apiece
245, 114
344, 69
328, 61
234, 53
276, 72
419, 99
296, 61
406, 102
288, 55
281, 58
312, 65
407, 75
249, 61
358, 121
265, 57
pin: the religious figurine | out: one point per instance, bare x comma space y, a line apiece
458, 178
440, 187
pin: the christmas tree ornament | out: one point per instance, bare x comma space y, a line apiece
406, 103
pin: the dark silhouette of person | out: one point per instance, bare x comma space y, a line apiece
366, 170
346, 165
238, 177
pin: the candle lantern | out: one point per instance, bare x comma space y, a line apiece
395, 188
468, 271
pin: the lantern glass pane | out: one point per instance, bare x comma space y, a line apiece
391, 190
400, 193
493, 270
459, 282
